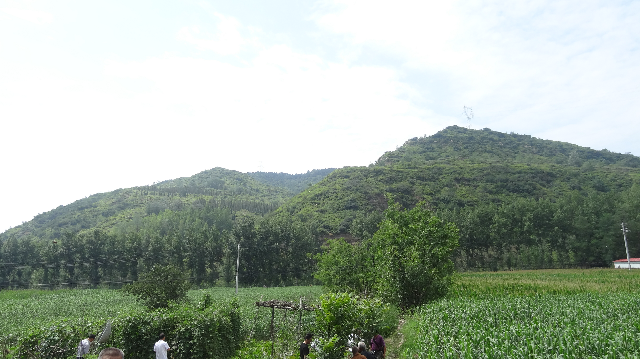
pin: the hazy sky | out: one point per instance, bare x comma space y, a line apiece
100, 95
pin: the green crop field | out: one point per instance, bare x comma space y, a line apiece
531, 314
24, 309
520, 314
21, 310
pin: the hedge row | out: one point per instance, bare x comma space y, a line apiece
192, 332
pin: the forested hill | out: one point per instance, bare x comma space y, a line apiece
518, 201
499, 188
463, 145
217, 188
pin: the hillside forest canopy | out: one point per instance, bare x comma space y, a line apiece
518, 202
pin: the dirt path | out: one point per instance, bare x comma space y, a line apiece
394, 343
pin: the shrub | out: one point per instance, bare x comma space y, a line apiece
58, 340
342, 315
160, 286
191, 332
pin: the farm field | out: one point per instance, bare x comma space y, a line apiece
531, 314
21, 310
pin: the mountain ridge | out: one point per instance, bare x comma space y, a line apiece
256, 192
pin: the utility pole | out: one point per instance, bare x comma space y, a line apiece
626, 246
238, 268
468, 112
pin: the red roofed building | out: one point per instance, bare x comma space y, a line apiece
622, 263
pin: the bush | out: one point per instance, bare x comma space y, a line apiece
160, 286
191, 332
342, 315
58, 340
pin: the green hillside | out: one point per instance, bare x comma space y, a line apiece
461, 168
217, 188
519, 201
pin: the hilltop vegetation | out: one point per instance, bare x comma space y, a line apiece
459, 168
213, 189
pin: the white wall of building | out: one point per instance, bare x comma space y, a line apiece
625, 265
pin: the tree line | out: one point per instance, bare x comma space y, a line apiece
573, 231
201, 242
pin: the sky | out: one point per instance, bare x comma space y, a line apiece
101, 95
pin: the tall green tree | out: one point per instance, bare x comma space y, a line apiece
160, 286
412, 256
407, 262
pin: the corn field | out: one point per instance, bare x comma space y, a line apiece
552, 314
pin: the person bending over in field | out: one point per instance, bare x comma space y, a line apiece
83, 347
111, 353
161, 347
304, 347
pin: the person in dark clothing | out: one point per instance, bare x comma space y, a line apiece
378, 347
304, 347
362, 347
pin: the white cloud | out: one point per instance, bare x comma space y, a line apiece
249, 97
528, 67
227, 39
283, 100
34, 16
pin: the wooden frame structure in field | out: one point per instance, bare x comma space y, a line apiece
284, 305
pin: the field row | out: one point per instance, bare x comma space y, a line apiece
586, 325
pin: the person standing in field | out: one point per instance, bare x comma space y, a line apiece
304, 347
161, 347
85, 344
111, 353
378, 347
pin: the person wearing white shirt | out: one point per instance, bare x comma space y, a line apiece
161, 347
85, 344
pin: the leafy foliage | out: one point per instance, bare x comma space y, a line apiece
274, 251
191, 332
23, 310
412, 255
342, 315
407, 262
160, 286
211, 190
550, 313
203, 244
59, 340
44, 316
346, 267
575, 326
